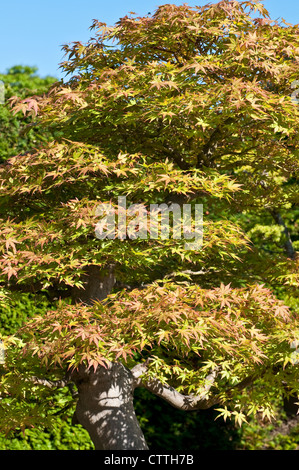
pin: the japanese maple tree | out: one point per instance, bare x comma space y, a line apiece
188, 106
15, 136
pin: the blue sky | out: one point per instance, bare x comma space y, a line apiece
33, 31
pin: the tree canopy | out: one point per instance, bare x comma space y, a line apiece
185, 107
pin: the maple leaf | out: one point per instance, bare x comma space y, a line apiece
32, 104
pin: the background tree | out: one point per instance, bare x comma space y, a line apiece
17, 135
190, 106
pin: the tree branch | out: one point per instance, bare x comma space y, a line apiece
206, 155
172, 396
187, 272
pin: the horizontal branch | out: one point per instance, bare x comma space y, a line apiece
51, 383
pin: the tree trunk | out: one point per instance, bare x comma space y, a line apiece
288, 245
105, 407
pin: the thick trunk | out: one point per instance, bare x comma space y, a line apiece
105, 408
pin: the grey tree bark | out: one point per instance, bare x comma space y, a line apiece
98, 283
288, 245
